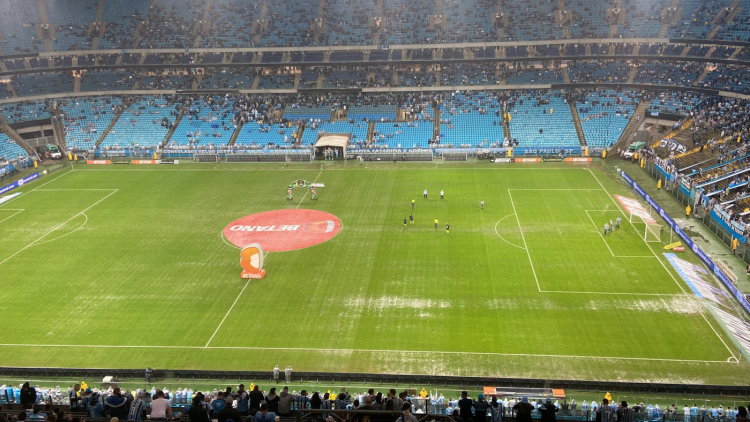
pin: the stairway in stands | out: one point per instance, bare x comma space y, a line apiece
111, 125
633, 125
174, 127
577, 123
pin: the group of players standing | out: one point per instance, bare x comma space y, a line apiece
424, 195
610, 227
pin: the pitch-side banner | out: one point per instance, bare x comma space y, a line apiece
18, 183
689, 242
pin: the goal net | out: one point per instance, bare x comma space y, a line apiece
206, 158
646, 225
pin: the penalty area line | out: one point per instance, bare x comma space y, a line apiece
421, 352
58, 226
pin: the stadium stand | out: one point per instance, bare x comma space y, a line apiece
263, 135
107, 80
71, 20
541, 119
356, 130
471, 120
86, 119
9, 150
42, 83
604, 115
599, 71
143, 124
25, 111
206, 121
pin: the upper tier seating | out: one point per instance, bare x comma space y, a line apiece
229, 20
107, 80
71, 19
18, 21
122, 19
42, 83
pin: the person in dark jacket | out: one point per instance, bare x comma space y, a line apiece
523, 410
28, 394
548, 411
273, 401
464, 406
256, 397
116, 406
197, 413
480, 408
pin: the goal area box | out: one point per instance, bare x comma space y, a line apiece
271, 157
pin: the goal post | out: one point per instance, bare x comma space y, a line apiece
652, 233
648, 228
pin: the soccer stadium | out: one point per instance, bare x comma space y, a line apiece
426, 210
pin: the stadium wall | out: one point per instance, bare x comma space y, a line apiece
126, 375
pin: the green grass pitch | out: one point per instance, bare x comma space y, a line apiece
126, 267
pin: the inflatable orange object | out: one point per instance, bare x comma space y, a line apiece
251, 260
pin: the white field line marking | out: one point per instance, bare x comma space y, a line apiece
36, 188
230, 309
225, 240
312, 349
691, 297
605, 240
57, 227
303, 196
503, 239
53, 190
227, 314
525, 246
17, 211
609, 293
67, 234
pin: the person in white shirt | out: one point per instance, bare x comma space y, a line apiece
161, 409
425, 194
442, 194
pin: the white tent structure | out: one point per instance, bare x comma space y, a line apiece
333, 140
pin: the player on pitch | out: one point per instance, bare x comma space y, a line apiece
411, 218
404, 222
313, 193
447, 228
436, 223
